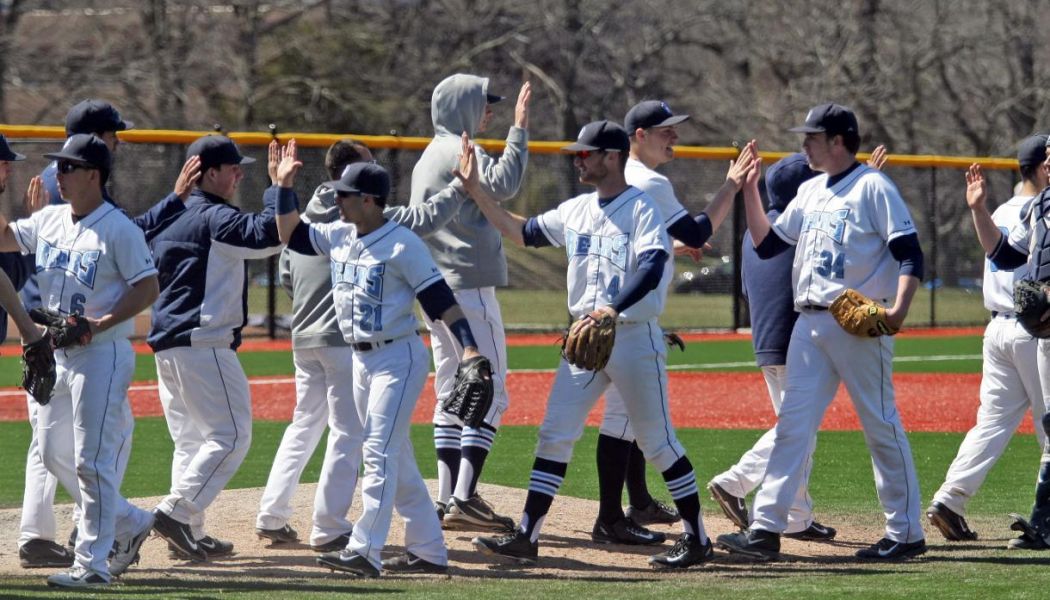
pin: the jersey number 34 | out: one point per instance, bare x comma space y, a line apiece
831, 265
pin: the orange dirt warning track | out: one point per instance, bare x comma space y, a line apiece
927, 402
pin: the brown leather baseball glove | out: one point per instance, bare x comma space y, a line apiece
860, 315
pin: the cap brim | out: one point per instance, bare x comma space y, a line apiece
125, 125
12, 156
339, 186
246, 160
493, 98
578, 147
70, 158
807, 129
672, 121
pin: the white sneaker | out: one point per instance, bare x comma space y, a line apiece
77, 577
126, 551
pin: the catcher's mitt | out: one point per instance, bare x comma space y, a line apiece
471, 395
1032, 307
589, 343
70, 330
38, 369
860, 315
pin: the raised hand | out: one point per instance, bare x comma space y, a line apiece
744, 163
273, 156
467, 169
878, 157
36, 196
288, 165
191, 170
976, 187
521, 110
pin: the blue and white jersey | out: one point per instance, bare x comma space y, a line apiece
375, 278
203, 281
603, 244
88, 265
661, 191
842, 234
998, 285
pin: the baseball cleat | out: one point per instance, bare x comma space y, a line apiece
212, 546
814, 533
951, 524
334, 545
348, 561
283, 535
735, 508
38, 554
756, 544
441, 508
126, 552
655, 513
178, 535
1025, 542
887, 549
625, 531
410, 563
516, 546
475, 513
77, 577
686, 552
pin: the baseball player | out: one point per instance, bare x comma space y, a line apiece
91, 259
324, 384
852, 230
37, 530
652, 128
1026, 243
378, 268
469, 253
617, 249
1010, 376
195, 331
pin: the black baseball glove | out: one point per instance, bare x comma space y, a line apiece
65, 330
38, 369
1032, 307
471, 395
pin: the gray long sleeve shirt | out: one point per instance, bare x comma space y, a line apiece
308, 279
469, 250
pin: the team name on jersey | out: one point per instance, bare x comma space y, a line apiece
830, 223
612, 248
367, 278
81, 265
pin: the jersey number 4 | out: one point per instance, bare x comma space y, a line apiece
371, 317
831, 265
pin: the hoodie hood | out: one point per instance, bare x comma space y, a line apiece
321, 208
458, 104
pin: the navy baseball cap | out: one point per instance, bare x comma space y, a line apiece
783, 179
365, 178
6, 153
86, 149
94, 116
830, 118
1032, 150
601, 135
651, 113
215, 151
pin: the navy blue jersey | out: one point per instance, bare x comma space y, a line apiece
200, 254
767, 286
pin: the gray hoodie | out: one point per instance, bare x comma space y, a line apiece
469, 250
308, 279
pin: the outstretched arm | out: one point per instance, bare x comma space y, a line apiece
757, 221
739, 169
508, 223
976, 193
136, 299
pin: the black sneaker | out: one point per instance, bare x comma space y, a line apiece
516, 546
756, 544
335, 545
215, 546
475, 513
951, 524
179, 536
887, 549
735, 508
814, 533
686, 552
656, 513
348, 561
410, 563
1026, 542
40, 554
625, 531
284, 535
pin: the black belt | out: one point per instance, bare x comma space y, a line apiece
815, 308
1004, 314
366, 346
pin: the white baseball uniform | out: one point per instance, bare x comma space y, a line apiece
375, 279
1009, 380
87, 266
841, 234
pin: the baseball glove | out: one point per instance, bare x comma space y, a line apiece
860, 315
38, 369
589, 343
70, 330
471, 395
1032, 307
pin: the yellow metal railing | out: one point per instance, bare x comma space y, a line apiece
323, 140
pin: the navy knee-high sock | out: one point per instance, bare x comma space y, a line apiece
637, 489
446, 443
547, 477
475, 448
612, 456
681, 482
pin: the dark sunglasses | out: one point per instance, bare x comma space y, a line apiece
585, 154
66, 167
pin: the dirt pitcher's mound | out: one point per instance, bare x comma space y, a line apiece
566, 550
